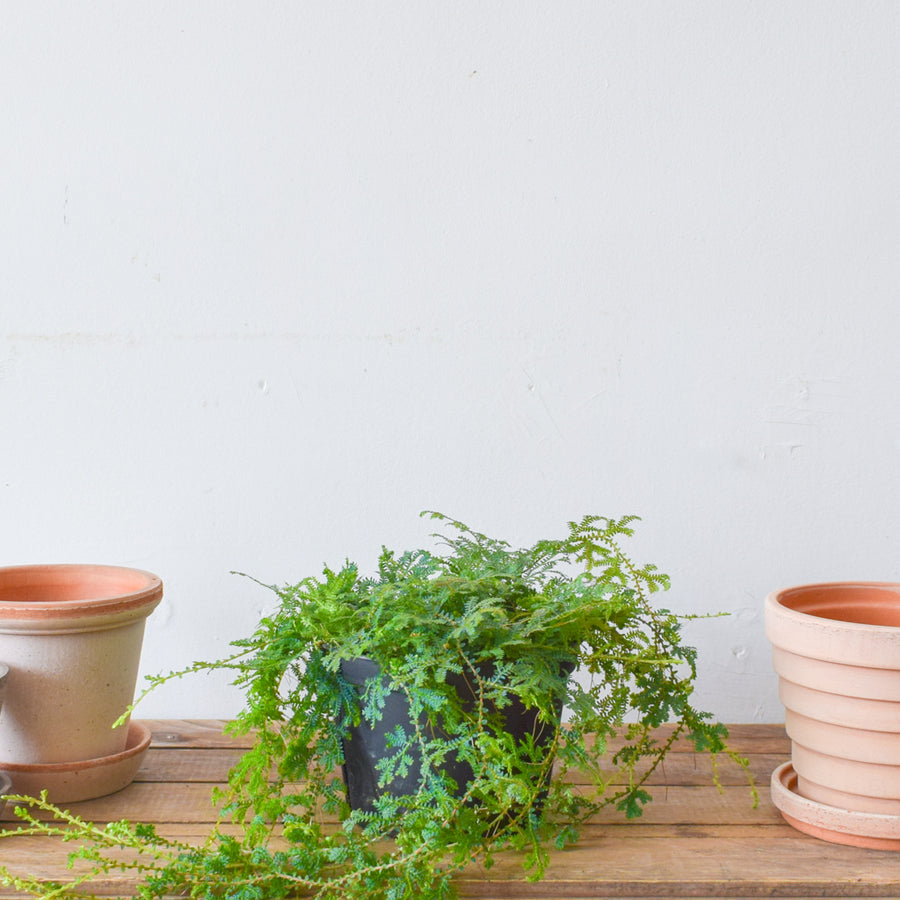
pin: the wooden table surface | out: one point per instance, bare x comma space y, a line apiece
692, 841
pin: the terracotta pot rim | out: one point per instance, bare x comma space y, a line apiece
844, 640
129, 590
775, 598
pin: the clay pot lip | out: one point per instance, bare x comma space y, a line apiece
836, 640
775, 603
117, 589
137, 741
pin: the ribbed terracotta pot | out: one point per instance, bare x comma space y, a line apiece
71, 636
836, 649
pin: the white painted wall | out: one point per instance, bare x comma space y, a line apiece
277, 276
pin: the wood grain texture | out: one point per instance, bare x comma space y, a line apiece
694, 839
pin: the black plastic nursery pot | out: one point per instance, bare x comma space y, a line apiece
368, 742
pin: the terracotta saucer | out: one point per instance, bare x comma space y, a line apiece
875, 831
86, 779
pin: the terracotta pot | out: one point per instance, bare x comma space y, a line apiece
71, 636
836, 649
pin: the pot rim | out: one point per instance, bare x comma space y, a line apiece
86, 591
868, 645
777, 596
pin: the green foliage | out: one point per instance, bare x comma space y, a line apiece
512, 623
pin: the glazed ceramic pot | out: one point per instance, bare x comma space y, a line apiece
71, 636
836, 650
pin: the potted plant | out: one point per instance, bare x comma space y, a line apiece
71, 636
836, 649
466, 651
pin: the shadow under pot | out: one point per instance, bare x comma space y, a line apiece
72, 636
368, 743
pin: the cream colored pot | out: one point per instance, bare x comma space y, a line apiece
71, 636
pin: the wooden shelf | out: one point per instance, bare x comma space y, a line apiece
692, 841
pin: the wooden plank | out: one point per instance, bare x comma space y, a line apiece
696, 769
194, 733
776, 864
742, 739
771, 862
191, 802
642, 860
165, 765
766, 747
699, 806
213, 765
146, 802
209, 733
621, 864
